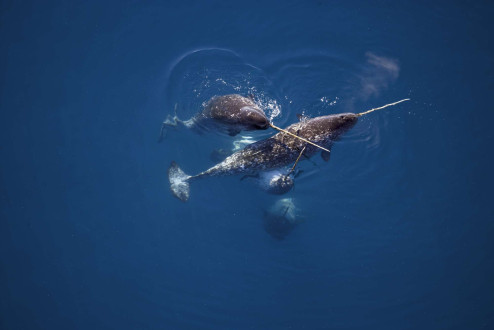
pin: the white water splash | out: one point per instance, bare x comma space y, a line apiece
242, 142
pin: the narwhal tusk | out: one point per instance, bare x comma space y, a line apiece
298, 158
298, 137
384, 106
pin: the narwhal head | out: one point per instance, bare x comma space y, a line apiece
254, 118
335, 125
344, 121
279, 184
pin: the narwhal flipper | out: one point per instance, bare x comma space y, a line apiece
179, 184
325, 155
255, 176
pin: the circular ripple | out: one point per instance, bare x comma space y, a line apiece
307, 82
198, 75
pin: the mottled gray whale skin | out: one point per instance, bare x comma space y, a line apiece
277, 151
231, 114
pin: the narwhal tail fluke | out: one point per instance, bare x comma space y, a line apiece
179, 183
170, 122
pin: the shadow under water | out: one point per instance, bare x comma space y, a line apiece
281, 218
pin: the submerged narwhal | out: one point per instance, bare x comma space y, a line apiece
280, 150
281, 218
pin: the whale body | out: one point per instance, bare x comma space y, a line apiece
281, 218
231, 114
275, 152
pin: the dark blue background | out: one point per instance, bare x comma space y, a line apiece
399, 231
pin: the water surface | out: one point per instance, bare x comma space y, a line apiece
398, 231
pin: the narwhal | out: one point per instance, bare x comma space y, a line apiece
281, 218
305, 137
231, 114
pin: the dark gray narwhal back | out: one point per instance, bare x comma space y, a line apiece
231, 113
236, 112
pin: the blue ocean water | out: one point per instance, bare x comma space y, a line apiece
398, 225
